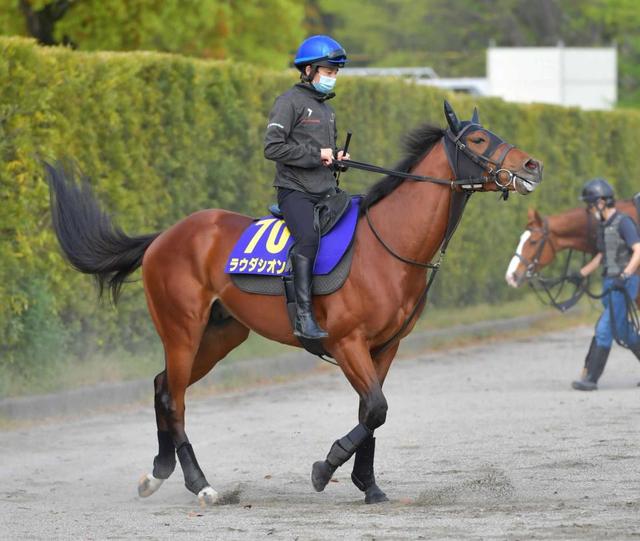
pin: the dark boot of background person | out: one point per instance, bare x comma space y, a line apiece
594, 366
635, 349
306, 325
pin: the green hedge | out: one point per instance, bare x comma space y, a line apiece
162, 136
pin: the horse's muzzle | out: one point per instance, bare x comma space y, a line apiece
528, 176
515, 279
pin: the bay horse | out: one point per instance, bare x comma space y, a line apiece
544, 237
201, 316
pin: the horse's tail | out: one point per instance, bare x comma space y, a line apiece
88, 238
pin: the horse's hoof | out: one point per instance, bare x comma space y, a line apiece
148, 484
321, 473
207, 497
375, 495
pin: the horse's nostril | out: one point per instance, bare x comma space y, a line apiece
531, 164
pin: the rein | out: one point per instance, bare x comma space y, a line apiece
581, 285
633, 318
466, 187
493, 168
538, 282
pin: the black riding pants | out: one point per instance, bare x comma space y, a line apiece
297, 208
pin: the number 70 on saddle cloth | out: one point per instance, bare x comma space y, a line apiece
262, 249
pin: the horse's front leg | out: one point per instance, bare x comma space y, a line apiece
353, 356
363, 471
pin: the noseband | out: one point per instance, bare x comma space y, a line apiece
494, 168
531, 269
542, 285
465, 171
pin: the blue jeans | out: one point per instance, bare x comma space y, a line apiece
604, 331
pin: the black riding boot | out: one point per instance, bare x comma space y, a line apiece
306, 325
594, 366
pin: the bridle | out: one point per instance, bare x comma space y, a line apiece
465, 181
463, 188
543, 285
531, 266
455, 146
539, 283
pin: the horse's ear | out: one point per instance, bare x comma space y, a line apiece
534, 217
452, 118
475, 119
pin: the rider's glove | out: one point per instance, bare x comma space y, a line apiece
620, 282
337, 166
575, 277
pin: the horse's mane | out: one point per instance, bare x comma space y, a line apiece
417, 143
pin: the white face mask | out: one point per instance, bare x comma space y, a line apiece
325, 84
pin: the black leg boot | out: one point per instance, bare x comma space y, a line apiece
306, 325
635, 349
363, 476
594, 366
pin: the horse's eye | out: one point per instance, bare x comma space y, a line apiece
533, 242
478, 140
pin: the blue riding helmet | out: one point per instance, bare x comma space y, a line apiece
320, 51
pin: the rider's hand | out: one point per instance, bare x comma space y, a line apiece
620, 282
576, 277
337, 166
326, 155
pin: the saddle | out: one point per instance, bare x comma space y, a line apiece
326, 213
251, 270
261, 253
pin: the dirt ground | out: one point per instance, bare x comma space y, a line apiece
486, 442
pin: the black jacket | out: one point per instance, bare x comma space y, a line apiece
300, 124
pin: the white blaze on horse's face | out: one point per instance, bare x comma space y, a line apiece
510, 276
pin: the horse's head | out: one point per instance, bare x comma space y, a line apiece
536, 249
475, 152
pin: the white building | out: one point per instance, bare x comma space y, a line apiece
570, 76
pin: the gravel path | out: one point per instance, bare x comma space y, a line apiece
487, 442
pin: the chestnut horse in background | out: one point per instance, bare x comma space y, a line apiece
201, 316
545, 237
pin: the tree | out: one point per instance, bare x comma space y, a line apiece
258, 31
452, 37
41, 21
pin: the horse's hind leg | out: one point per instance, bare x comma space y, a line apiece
221, 334
165, 461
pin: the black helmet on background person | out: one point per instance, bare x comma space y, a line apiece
598, 188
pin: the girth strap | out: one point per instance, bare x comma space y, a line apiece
456, 210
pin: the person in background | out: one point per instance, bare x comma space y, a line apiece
619, 255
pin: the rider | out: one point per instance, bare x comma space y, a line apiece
301, 138
619, 252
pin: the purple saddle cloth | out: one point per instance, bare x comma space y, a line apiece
264, 246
